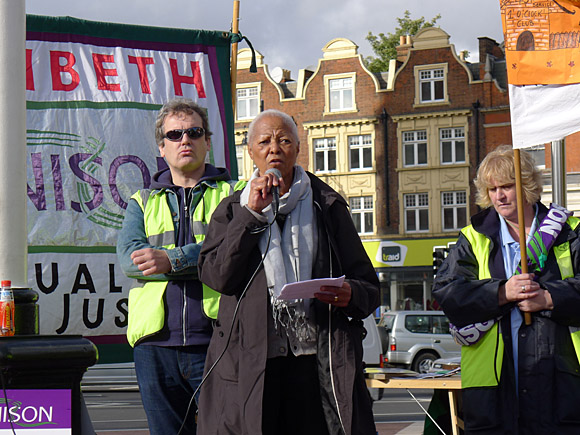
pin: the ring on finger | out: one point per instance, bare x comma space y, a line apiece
335, 298
523, 289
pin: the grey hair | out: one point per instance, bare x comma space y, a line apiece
273, 112
179, 105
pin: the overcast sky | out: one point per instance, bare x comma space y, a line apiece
291, 33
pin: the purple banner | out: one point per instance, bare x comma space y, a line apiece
36, 410
544, 237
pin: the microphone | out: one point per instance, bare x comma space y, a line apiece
275, 192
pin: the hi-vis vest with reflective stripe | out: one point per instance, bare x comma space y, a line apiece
481, 363
146, 307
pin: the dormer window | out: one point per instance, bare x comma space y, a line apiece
431, 84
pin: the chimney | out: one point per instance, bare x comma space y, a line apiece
489, 46
405, 43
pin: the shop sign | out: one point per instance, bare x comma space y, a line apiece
391, 253
404, 252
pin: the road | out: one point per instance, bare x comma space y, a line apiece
119, 412
397, 406
116, 410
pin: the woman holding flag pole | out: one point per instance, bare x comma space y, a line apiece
516, 377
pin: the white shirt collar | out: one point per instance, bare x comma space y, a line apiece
506, 237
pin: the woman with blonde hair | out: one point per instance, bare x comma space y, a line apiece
499, 166
516, 378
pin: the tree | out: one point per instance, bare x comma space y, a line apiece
384, 46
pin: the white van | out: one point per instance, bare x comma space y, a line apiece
372, 347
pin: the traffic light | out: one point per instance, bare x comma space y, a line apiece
439, 254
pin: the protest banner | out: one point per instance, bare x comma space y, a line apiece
93, 91
542, 56
542, 47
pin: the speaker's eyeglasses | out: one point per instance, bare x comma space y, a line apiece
193, 133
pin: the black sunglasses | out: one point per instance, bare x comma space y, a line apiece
193, 133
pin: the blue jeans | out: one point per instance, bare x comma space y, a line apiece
168, 377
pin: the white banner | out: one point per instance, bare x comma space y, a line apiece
83, 166
80, 293
543, 113
92, 101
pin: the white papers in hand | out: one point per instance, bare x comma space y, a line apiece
306, 289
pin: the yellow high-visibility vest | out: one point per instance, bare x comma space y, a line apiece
146, 306
481, 363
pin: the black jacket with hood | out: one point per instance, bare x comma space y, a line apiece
548, 396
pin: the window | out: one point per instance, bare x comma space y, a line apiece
416, 212
247, 103
440, 325
432, 85
454, 209
341, 94
325, 150
417, 324
240, 159
414, 148
360, 152
361, 209
426, 324
452, 145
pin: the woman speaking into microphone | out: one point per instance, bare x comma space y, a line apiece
283, 366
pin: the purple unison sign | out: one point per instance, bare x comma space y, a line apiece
35, 412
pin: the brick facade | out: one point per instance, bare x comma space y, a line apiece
387, 106
484, 104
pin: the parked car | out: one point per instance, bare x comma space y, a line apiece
417, 338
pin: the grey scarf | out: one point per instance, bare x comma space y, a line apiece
291, 253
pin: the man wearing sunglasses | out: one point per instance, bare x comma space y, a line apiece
170, 311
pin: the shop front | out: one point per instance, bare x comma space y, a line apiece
405, 271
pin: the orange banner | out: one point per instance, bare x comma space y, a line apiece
542, 41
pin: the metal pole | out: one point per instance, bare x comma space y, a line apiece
559, 172
13, 228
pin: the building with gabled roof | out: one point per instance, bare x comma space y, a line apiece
401, 146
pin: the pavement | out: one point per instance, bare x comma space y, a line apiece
382, 429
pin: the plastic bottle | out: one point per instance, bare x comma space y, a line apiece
6, 309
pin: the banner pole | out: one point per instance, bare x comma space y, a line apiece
234, 56
521, 221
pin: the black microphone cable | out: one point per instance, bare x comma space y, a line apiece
256, 231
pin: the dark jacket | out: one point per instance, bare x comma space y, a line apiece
548, 393
231, 398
